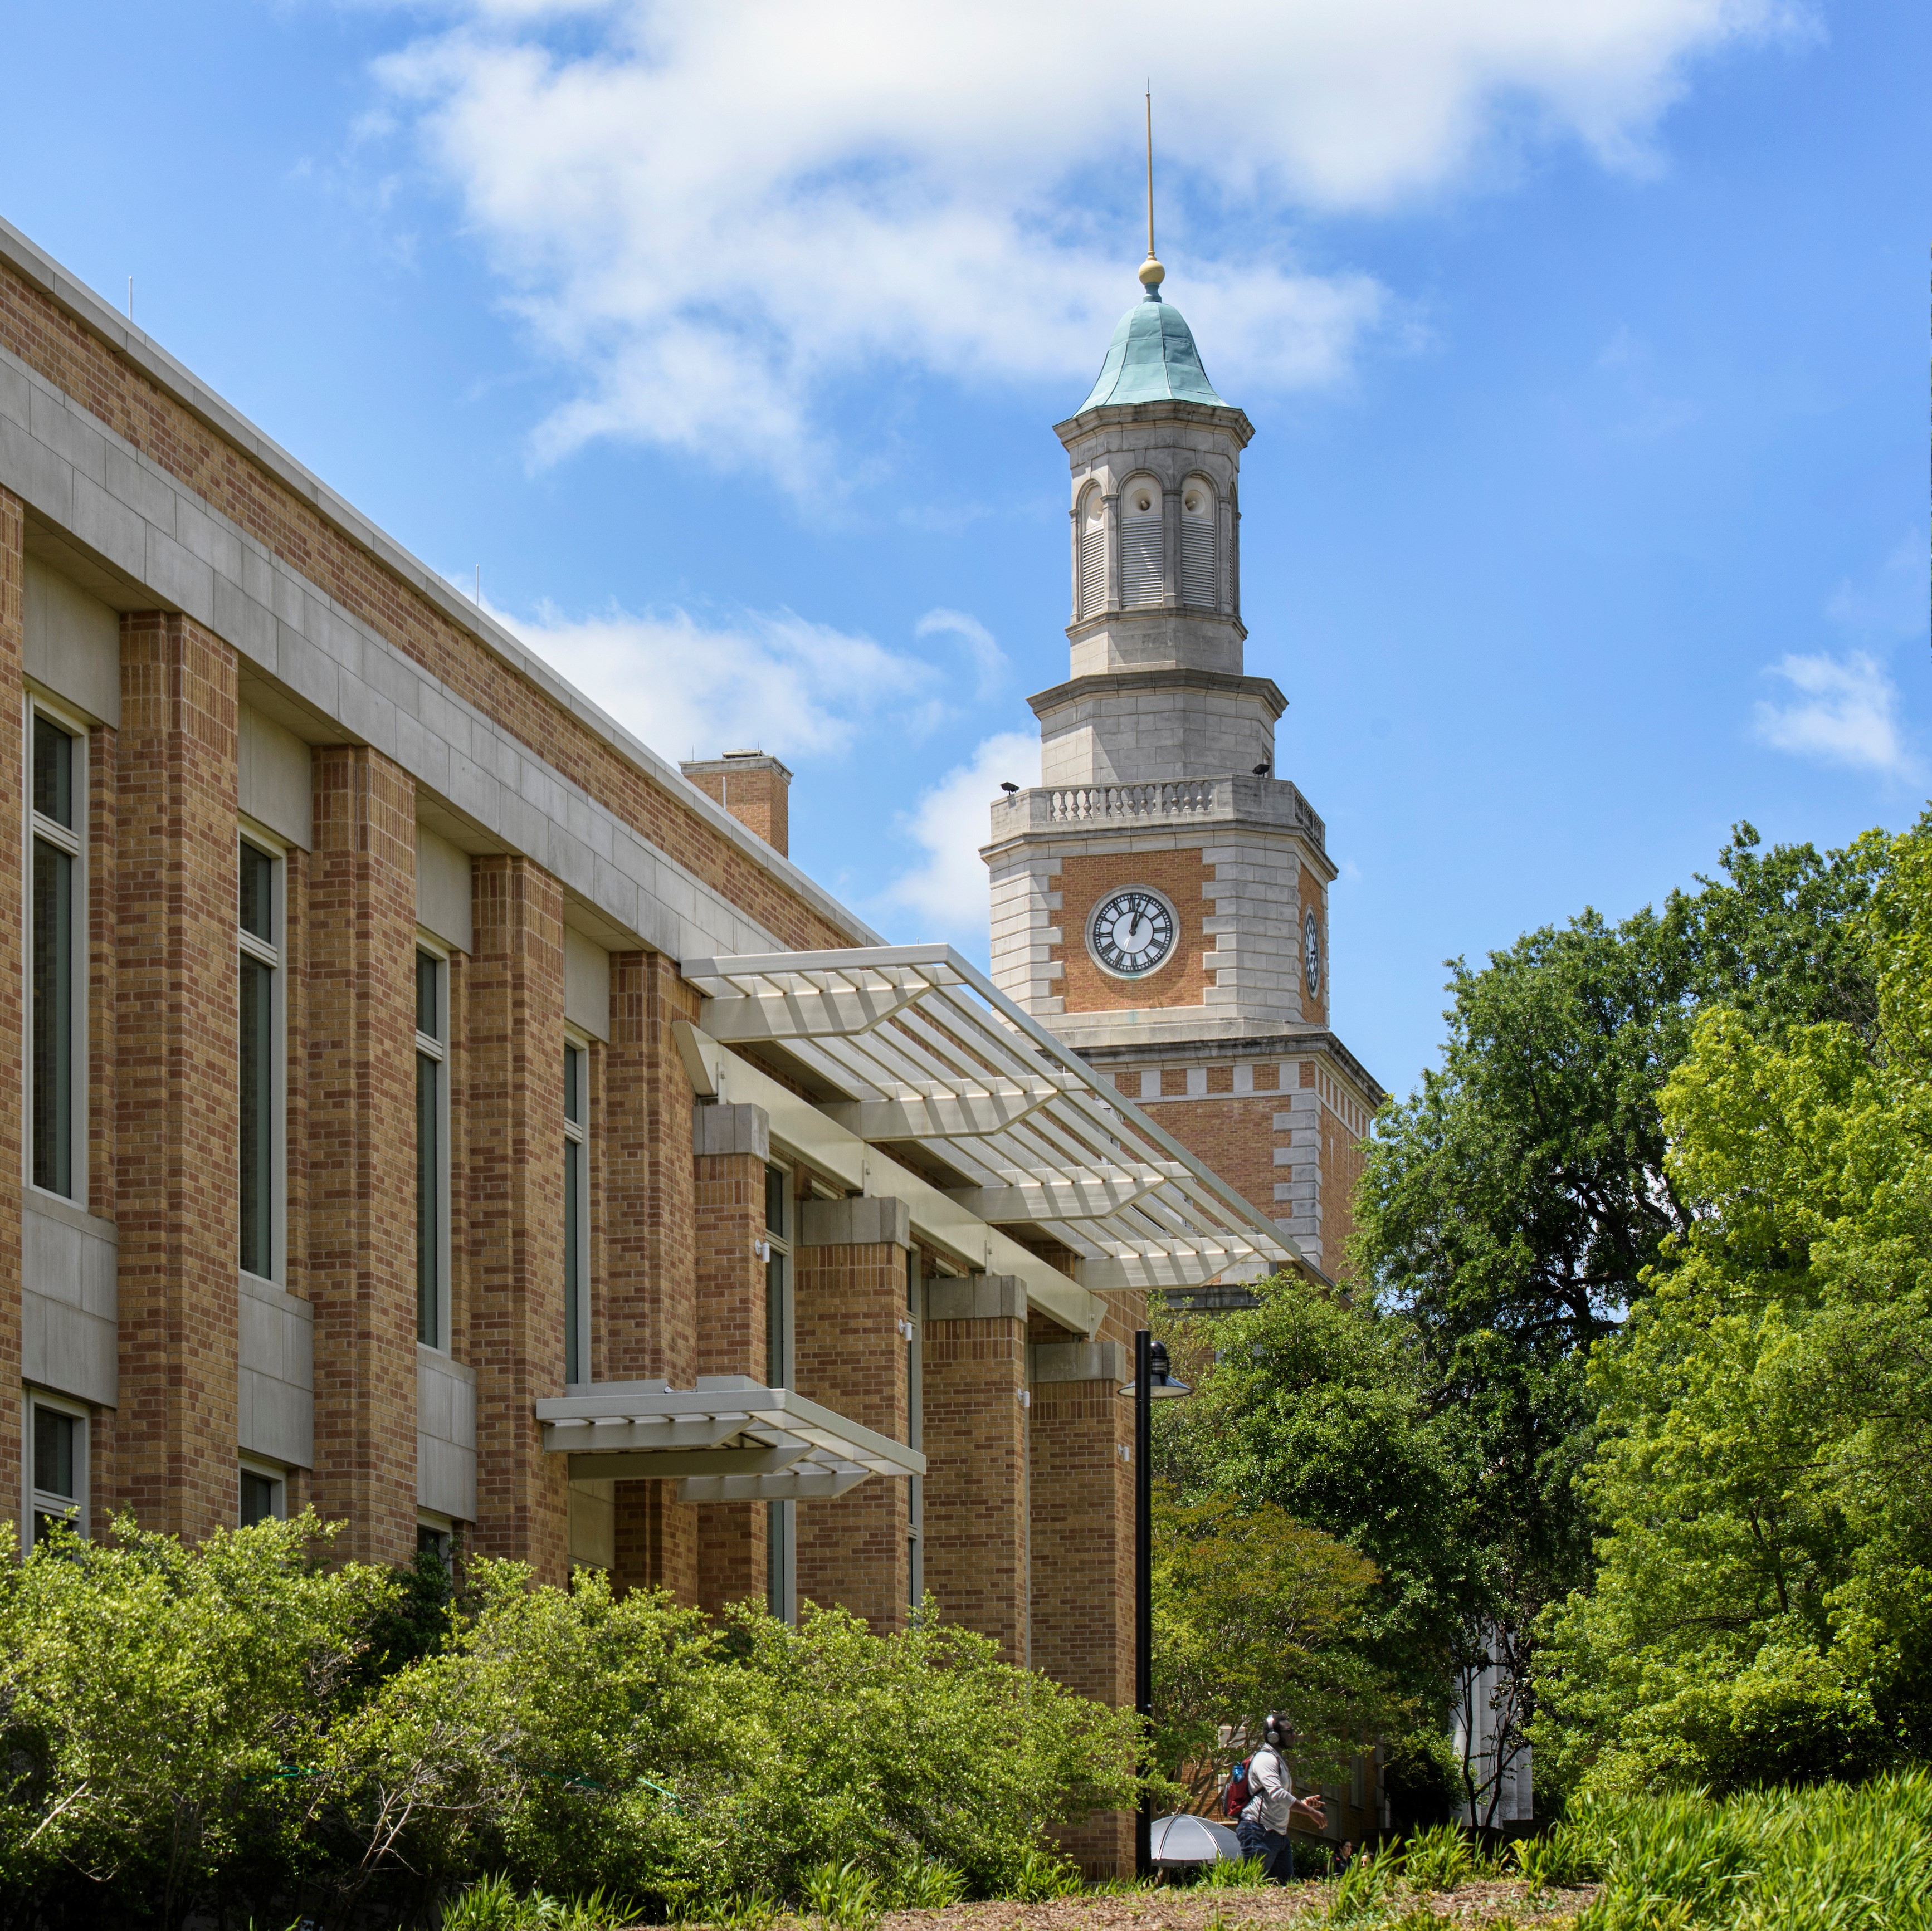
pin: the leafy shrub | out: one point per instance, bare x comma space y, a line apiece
1042, 1875
842, 1897
238, 1731
1560, 1860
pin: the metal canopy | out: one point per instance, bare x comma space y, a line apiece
727, 1440
920, 1046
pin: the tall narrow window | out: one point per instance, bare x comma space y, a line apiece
55, 903
1197, 544
259, 1058
432, 1157
1092, 539
58, 1435
576, 1215
1140, 544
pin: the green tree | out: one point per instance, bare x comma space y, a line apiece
1511, 1206
1763, 1610
1253, 1612
1320, 1406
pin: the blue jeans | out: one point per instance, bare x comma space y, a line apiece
1276, 1849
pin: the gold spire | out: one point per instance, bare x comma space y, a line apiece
1152, 274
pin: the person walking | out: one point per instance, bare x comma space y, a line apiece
1264, 1826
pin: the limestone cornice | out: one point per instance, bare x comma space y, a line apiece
1130, 683
1078, 428
1281, 1043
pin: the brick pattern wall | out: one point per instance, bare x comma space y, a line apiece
1083, 1558
361, 1192
13, 1015
1315, 1005
757, 792
57, 347
1235, 1137
849, 1355
1085, 881
175, 1156
657, 1541
974, 1434
515, 1124
729, 1301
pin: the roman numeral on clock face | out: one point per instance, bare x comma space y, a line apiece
1132, 931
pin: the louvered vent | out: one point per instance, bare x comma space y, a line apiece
1140, 560
1197, 563
1093, 570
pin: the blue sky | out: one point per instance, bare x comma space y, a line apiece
1587, 348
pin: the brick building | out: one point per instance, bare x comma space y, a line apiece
421, 1100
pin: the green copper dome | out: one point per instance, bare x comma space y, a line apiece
1152, 358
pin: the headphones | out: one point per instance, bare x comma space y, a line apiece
1277, 1730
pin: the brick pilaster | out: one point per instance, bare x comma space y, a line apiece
732, 1144
515, 1158
361, 1106
12, 1015
974, 1434
175, 1104
851, 1357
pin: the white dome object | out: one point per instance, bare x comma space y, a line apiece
1191, 1840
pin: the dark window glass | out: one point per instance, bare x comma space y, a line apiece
776, 1201
428, 1021
53, 773
573, 1085
433, 1542
778, 1321
53, 1098
54, 1451
429, 1189
258, 1497
258, 1116
573, 1251
258, 895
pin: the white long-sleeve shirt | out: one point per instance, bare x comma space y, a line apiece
1273, 1796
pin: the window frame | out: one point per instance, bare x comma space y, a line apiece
437, 1049
36, 1501
71, 842
271, 1472
273, 954
577, 1268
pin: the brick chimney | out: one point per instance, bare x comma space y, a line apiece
756, 790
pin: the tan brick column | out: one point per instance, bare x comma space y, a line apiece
515, 1129
650, 1252
176, 1102
12, 1018
1083, 1553
974, 1434
361, 1025
731, 1145
851, 1357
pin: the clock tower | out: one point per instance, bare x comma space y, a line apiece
1160, 900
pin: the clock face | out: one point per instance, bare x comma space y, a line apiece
1311, 951
1132, 932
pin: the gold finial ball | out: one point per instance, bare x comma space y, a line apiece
1152, 274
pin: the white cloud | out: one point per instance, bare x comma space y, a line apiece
945, 893
768, 680
1845, 712
989, 660
715, 211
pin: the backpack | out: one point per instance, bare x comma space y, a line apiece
1238, 1792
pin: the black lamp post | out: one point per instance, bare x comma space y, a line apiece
1151, 1383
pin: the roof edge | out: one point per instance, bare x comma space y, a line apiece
93, 313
